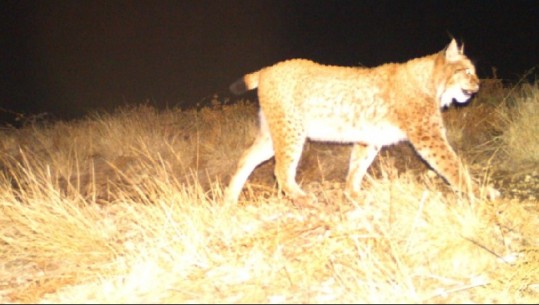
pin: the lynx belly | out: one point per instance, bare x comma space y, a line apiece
381, 134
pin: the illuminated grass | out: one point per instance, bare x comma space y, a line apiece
125, 207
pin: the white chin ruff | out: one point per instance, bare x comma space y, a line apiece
457, 94
462, 97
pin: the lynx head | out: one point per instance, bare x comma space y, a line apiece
459, 79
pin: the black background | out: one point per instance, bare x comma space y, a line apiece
70, 57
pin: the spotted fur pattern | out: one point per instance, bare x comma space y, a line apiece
370, 107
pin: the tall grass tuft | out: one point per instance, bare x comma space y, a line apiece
521, 115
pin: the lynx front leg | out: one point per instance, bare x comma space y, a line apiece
433, 147
360, 160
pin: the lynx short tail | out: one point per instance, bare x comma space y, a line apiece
246, 83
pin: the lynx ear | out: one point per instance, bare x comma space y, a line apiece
452, 52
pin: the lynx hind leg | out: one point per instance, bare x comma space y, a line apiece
360, 160
288, 144
260, 151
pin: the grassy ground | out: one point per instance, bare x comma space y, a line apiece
125, 207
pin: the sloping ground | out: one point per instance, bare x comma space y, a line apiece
125, 207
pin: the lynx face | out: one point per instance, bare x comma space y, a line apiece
462, 84
370, 107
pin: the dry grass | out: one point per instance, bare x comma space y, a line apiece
520, 112
125, 207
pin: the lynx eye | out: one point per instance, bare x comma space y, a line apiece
458, 71
467, 71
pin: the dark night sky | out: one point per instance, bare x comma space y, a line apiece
68, 57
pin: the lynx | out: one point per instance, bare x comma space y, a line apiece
369, 107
